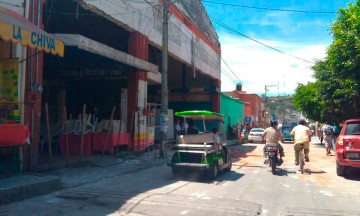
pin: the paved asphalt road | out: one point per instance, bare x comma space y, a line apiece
249, 189
317, 192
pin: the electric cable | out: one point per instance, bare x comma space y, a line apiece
227, 74
261, 43
271, 9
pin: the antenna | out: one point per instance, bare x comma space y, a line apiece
266, 90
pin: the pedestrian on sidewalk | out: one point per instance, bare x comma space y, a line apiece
328, 134
337, 130
320, 134
301, 134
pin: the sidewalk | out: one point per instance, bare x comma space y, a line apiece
93, 168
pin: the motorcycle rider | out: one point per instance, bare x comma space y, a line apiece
272, 135
301, 135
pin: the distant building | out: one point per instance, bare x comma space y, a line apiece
253, 109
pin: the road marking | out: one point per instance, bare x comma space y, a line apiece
183, 212
327, 193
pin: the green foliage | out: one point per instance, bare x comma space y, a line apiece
280, 104
335, 94
306, 100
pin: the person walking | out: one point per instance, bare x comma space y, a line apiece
320, 134
301, 135
337, 130
328, 136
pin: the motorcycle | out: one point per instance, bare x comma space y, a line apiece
272, 157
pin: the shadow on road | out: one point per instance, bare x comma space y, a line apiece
202, 178
353, 174
281, 172
285, 172
315, 171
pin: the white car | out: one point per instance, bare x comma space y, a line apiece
255, 135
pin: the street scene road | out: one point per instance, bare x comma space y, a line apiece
249, 189
106, 105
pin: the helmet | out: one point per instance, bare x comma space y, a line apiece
273, 123
302, 122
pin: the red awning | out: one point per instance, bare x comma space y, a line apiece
14, 134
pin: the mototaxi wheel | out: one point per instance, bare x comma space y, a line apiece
213, 171
227, 169
175, 171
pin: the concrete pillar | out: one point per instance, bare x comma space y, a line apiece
32, 103
137, 92
216, 96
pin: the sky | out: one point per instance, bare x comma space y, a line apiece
300, 38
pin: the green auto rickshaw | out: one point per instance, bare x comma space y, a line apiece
199, 152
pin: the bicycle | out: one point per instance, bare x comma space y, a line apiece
302, 160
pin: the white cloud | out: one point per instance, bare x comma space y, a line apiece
257, 66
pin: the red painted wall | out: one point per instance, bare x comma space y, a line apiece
253, 101
216, 97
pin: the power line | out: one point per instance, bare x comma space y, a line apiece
270, 47
235, 81
230, 69
271, 9
227, 74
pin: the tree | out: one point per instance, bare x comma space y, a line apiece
306, 101
337, 85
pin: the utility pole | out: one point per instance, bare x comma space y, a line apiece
266, 90
164, 80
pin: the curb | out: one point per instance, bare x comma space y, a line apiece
21, 187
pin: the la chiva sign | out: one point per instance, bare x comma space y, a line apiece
30, 35
36, 38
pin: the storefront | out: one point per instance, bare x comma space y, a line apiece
16, 35
113, 61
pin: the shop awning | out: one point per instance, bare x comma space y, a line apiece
15, 28
95, 47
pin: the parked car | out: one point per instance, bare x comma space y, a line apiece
255, 135
348, 147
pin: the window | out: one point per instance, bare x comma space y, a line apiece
353, 128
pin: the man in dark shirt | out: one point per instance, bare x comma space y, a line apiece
191, 129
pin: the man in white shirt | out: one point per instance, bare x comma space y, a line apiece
178, 127
301, 135
217, 140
